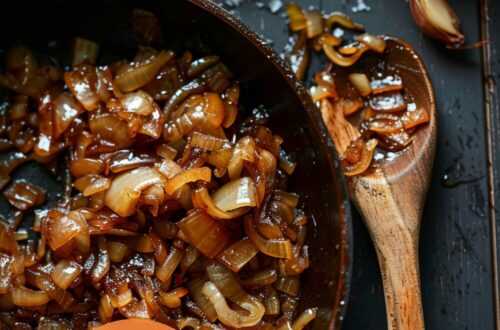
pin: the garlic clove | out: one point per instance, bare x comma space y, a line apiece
437, 20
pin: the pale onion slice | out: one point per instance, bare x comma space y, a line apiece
138, 102
139, 76
303, 320
235, 194
65, 272
25, 297
238, 254
202, 199
84, 50
125, 189
105, 309
361, 83
229, 316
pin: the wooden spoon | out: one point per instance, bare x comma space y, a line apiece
391, 194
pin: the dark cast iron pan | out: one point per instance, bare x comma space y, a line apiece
48, 28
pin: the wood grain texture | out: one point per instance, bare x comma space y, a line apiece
455, 247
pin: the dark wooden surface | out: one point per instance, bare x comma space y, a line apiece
456, 256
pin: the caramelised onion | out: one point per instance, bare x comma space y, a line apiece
171, 262
231, 105
196, 290
205, 233
5, 273
190, 175
348, 106
138, 102
361, 83
235, 194
105, 309
110, 128
342, 20
81, 83
59, 228
139, 74
289, 285
23, 195
172, 299
376, 44
65, 272
297, 19
304, 319
261, 278
137, 309
91, 184
198, 66
117, 288
237, 255
62, 297
188, 322
228, 286
208, 142
84, 50
202, 200
25, 297
117, 251
243, 151
314, 23
101, 264
365, 160
414, 118
343, 60
66, 109
279, 248
125, 190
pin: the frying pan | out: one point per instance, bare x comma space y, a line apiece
48, 28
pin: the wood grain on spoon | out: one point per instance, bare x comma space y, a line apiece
391, 194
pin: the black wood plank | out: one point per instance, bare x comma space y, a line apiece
490, 28
455, 252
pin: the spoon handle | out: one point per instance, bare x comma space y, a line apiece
394, 224
398, 260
